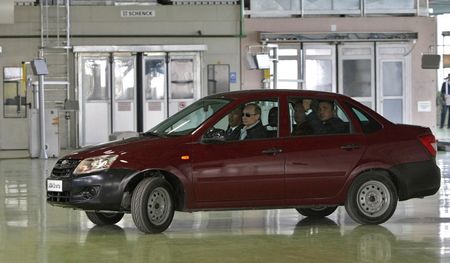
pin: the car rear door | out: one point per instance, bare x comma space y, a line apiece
317, 165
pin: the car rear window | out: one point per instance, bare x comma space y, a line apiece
368, 124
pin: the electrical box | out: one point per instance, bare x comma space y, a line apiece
430, 61
39, 67
52, 132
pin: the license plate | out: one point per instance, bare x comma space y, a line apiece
54, 185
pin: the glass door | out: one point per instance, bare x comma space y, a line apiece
155, 80
184, 80
171, 81
320, 67
392, 69
356, 72
94, 86
288, 74
108, 94
124, 90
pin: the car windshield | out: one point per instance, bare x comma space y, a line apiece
189, 119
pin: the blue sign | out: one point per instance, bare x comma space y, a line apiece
233, 77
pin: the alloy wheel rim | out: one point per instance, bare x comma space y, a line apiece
158, 206
373, 198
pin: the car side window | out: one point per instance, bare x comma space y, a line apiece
248, 121
368, 124
311, 116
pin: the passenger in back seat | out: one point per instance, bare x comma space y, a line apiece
302, 126
329, 123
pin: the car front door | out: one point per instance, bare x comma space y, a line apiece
239, 173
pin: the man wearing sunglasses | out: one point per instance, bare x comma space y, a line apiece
253, 128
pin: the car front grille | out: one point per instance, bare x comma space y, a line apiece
64, 167
60, 197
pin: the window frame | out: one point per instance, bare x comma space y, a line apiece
339, 107
368, 116
274, 99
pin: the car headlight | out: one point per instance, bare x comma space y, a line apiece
95, 164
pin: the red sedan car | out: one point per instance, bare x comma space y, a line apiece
311, 151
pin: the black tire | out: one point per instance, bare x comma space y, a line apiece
372, 198
102, 219
319, 211
152, 205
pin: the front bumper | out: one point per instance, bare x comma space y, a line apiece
418, 179
99, 191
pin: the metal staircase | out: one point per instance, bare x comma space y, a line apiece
55, 49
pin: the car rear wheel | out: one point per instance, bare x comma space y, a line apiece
372, 198
317, 211
152, 205
102, 219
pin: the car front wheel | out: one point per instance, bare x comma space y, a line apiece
372, 198
102, 219
318, 211
152, 205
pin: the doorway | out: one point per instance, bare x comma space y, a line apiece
357, 74
133, 91
171, 82
375, 74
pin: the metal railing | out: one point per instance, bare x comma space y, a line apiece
286, 8
129, 2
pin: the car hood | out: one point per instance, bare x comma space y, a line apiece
119, 147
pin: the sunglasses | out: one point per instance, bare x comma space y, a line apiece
248, 114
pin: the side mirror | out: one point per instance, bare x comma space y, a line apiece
214, 135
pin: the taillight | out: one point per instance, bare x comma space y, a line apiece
430, 143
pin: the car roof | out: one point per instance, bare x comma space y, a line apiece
250, 93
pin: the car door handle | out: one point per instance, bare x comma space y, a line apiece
272, 151
349, 147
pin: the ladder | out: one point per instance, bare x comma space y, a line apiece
55, 49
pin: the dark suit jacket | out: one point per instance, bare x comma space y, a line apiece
256, 132
232, 135
332, 126
302, 129
443, 88
443, 92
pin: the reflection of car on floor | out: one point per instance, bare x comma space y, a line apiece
312, 240
364, 243
348, 155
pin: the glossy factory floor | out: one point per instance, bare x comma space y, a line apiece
32, 231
